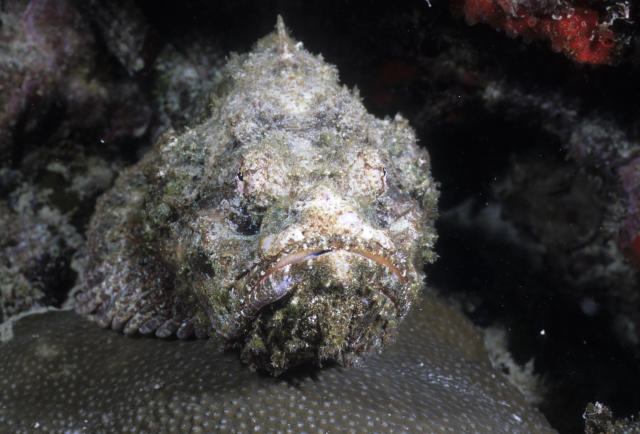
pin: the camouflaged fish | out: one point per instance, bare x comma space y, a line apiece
292, 223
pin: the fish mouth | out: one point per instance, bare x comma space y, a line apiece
303, 255
278, 280
315, 254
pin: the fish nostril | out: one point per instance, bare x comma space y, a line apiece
246, 223
383, 221
250, 227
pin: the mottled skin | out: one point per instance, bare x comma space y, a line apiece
291, 222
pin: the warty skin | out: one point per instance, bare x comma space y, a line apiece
292, 223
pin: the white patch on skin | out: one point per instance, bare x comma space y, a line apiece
295, 104
296, 235
400, 225
341, 265
324, 214
266, 243
349, 220
300, 146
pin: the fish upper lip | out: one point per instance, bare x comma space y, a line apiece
305, 254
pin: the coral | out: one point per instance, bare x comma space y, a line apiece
62, 113
578, 32
599, 419
602, 144
592, 193
77, 377
522, 377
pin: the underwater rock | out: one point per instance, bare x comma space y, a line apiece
56, 81
575, 199
291, 222
124, 31
186, 72
598, 418
36, 245
60, 372
64, 108
565, 187
604, 145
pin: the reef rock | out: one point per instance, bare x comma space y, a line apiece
56, 82
61, 373
36, 245
291, 222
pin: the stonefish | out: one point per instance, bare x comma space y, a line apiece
292, 223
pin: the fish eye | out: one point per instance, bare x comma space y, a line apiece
368, 174
240, 187
261, 177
